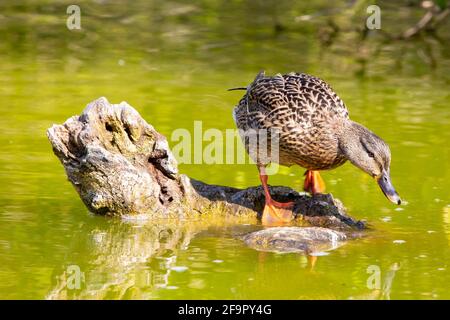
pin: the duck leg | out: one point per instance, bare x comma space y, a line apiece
312, 262
313, 182
275, 213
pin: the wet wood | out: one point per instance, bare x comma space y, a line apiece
120, 166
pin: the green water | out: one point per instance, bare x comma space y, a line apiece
173, 62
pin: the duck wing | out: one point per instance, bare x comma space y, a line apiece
291, 101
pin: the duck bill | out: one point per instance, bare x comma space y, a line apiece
384, 181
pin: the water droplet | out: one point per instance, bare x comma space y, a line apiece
399, 241
217, 261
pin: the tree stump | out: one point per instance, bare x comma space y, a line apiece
120, 166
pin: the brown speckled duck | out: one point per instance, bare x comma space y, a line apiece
315, 132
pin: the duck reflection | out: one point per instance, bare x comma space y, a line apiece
384, 291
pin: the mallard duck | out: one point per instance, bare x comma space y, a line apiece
314, 131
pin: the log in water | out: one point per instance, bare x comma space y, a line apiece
120, 165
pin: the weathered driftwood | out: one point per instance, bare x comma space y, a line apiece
120, 165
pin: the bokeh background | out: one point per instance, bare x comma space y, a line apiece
173, 61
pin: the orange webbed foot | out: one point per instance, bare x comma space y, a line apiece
277, 213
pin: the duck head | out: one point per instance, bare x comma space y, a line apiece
370, 153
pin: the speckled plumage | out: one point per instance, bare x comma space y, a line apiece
306, 111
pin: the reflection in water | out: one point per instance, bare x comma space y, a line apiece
125, 260
384, 291
136, 259
388, 280
129, 259
446, 218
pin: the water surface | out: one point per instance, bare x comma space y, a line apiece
173, 62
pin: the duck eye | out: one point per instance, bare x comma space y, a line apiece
370, 153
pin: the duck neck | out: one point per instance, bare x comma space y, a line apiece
349, 138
